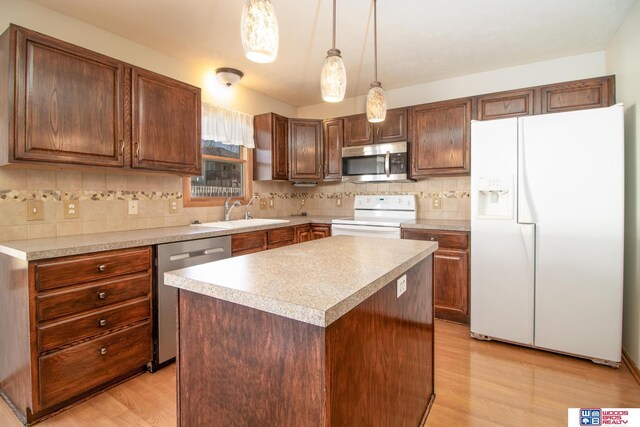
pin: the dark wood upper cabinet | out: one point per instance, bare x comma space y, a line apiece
66, 104
271, 135
578, 95
68, 101
305, 150
333, 134
165, 124
440, 138
393, 129
506, 104
357, 131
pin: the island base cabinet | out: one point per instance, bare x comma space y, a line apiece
372, 366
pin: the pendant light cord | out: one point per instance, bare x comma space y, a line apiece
375, 41
334, 24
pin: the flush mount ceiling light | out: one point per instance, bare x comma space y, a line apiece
376, 102
333, 79
228, 76
259, 31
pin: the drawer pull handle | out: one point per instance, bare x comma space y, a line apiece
102, 295
103, 350
433, 238
102, 322
102, 267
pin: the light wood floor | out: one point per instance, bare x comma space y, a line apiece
477, 384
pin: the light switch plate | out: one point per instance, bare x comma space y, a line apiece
173, 206
35, 210
339, 202
133, 207
71, 209
436, 203
402, 285
272, 203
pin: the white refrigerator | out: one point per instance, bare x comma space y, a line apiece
547, 229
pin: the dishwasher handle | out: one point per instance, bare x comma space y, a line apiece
195, 254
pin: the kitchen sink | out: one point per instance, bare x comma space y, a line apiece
240, 223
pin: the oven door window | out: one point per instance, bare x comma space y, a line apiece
364, 165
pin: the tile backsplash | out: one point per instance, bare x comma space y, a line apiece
102, 199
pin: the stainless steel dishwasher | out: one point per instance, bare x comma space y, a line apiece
173, 256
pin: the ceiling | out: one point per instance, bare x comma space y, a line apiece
418, 40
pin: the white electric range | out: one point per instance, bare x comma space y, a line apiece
377, 216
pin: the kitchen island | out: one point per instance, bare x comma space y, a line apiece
319, 334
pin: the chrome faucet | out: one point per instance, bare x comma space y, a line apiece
247, 214
228, 207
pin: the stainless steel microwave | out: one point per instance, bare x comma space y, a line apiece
376, 163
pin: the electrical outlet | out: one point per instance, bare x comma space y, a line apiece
71, 209
402, 285
173, 206
339, 202
263, 203
133, 207
272, 203
436, 203
35, 210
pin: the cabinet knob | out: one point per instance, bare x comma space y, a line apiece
103, 322
102, 295
103, 350
102, 267
433, 238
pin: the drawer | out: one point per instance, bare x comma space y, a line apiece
66, 271
248, 242
78, 369
94, 295
93, 323
281, 237
445, 239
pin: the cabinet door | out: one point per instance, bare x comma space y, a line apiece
440, 138
320, 231
394, 127
357, 131
303, 233
333, 133
578, 95
451, 284
165, 124
69, 103
280, 147
248, 243
506, 104
305, 149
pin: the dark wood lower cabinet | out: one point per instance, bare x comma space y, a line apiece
450, 272
256, 241
70, 336
371, 367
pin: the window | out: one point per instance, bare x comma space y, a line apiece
226, 172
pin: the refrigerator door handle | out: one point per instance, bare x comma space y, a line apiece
525, 212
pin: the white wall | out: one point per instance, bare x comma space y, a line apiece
623, 59
538, 73
47, 21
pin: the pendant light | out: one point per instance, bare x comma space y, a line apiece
333, 79
376, 102
259, 31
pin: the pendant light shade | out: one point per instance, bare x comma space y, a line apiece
333, 78
376, 104
259, 31
376, 101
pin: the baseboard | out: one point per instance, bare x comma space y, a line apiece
631, 365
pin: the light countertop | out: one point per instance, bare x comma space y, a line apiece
314, 282
438, 224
